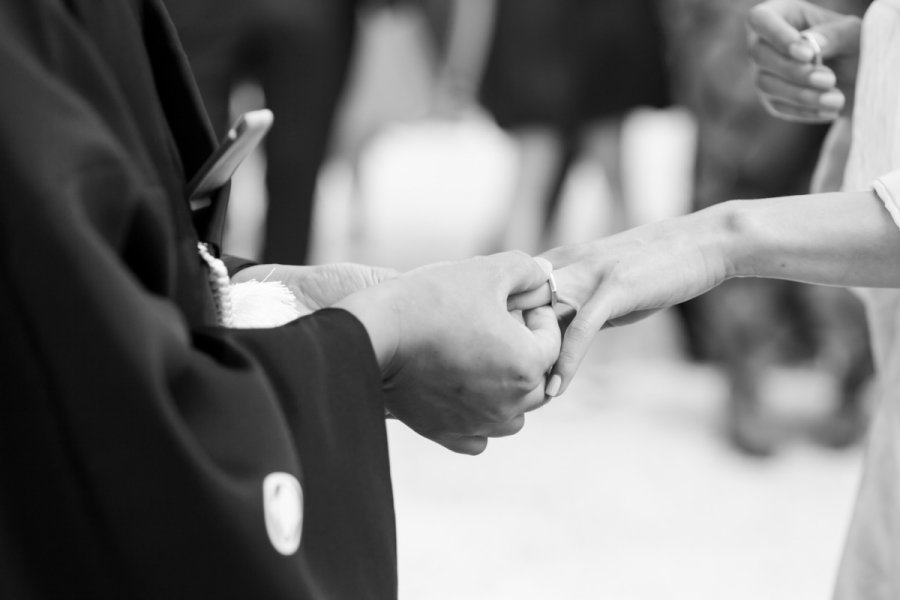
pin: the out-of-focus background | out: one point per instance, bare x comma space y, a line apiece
711, 451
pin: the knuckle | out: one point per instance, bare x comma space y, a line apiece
529, 376
498, 412
516, 425
523, 262
506, 264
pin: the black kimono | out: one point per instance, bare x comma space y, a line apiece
135, 434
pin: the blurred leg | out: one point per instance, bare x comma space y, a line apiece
603, 143
839, 322
744, 332
213, 33
303, 56
540, 154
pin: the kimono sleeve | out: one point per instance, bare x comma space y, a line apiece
134, 447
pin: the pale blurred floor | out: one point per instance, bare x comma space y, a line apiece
624, 488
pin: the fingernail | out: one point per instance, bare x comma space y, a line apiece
822, 79
833, 99
553, 386
801, 51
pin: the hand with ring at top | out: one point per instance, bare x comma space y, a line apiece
806, 58
626, 277
458, 366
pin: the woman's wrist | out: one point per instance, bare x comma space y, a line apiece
723, 234
843, 238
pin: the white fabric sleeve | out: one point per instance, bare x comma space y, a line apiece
888, 189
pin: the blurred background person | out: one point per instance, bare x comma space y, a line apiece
298, 52
748, 327
560, 76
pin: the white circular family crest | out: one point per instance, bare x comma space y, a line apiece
283, 510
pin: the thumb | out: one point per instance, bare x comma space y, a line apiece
520, 272
545, 330
575, 344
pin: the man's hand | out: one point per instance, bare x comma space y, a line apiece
790, 83
458, 366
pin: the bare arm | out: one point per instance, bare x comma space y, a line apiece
842, 238
845, 238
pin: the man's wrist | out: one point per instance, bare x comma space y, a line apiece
374, 308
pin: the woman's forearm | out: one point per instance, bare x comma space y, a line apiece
845, 239
842, 238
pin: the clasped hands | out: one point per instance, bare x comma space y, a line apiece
467, 348
457, 366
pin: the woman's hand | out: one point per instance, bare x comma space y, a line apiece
790, 83
629, 276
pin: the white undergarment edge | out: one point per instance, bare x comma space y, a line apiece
888, 189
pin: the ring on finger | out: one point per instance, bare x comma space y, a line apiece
554, 295
814, 44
